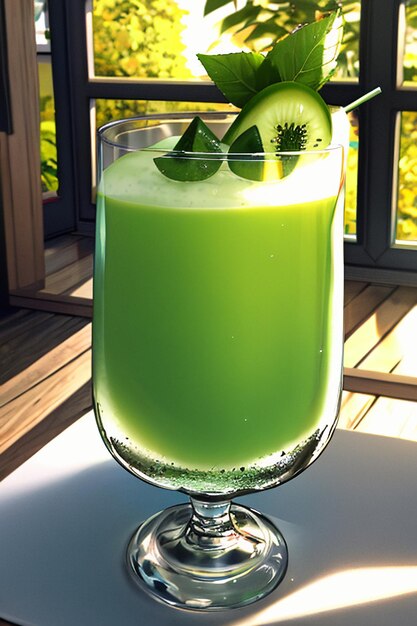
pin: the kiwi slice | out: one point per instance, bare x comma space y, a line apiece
289, 117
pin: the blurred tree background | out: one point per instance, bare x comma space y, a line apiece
49, 177
140, 38
257, 24
137, 39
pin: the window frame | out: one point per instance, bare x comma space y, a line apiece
372, 253
60, 214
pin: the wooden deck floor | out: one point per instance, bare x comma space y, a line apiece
45, 373
45, 361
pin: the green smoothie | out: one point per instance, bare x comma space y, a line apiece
214, 315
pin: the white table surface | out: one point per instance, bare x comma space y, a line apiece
350, 522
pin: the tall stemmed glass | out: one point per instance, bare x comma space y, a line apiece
217, 346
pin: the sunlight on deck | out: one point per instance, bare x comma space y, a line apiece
367, 334
397, 350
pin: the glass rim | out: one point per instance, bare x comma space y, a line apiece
103, 130
237, 156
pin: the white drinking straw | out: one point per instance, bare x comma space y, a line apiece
362, 99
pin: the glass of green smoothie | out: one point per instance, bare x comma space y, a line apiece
217, 340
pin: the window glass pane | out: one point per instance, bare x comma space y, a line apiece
352, 177
408, 42
406, 209
380, 329
140, 39
348, 62
49, 176
160, 38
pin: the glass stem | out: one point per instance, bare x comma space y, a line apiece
211, 526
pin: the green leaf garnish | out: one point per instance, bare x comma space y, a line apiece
181, 165
307, 56
235, 74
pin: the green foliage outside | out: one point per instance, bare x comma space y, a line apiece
406, 229
137, 39
410, 47
49, 166
352, 177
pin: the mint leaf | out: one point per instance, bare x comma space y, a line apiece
180, 164
307, 56
235, 74
267, 74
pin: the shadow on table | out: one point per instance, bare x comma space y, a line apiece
63, 545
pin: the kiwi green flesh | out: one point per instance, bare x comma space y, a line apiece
289, 116
242, 160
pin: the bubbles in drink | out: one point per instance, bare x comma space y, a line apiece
262, 474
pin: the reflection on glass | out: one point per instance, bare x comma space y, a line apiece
408, 42
406, 206
41, 25
113, 109
160, 38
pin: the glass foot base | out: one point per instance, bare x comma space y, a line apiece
207, 556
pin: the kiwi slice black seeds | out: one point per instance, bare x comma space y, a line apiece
290, 117
290, 137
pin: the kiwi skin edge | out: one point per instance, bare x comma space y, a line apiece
270, 111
